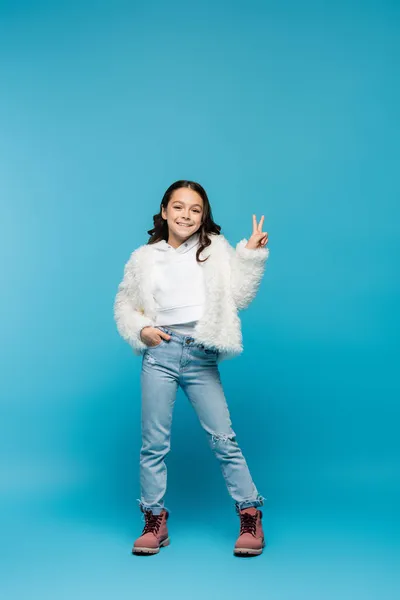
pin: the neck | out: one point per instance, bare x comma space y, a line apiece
175, 242
172, 241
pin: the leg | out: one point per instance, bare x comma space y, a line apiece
159, 387
202, 385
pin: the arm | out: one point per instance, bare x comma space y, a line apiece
128, 314
247, 268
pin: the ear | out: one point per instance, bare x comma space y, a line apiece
163, 213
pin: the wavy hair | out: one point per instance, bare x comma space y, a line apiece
160, 229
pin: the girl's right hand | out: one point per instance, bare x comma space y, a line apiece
151, 336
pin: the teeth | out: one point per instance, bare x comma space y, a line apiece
183, 225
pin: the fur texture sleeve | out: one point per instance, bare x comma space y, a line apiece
128, 314
247, 269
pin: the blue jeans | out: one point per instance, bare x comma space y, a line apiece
182, 361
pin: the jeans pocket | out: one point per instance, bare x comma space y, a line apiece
208, 351
157, 345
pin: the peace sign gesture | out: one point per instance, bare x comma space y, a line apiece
258, 238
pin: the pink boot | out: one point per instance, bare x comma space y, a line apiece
154, 535
251, 537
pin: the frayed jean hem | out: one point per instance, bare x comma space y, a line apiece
155, 509
259, 501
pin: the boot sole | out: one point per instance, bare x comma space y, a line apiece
249, 551
144, 550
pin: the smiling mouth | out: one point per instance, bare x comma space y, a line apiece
183, 225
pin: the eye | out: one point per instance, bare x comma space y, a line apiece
179, 207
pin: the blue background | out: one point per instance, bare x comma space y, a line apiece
279, 108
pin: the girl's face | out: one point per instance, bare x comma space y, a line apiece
184, 215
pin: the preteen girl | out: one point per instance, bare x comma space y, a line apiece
177, 306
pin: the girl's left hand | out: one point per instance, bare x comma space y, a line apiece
258, 238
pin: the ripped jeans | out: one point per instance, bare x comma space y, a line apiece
182, 361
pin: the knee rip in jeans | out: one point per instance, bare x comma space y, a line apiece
221, 437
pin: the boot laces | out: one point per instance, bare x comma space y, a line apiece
153, 522
248, 523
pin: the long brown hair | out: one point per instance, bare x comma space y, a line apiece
160, 229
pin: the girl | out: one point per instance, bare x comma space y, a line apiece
177, 306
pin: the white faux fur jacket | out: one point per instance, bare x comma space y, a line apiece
231, 278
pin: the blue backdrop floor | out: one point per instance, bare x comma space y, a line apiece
316, 554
